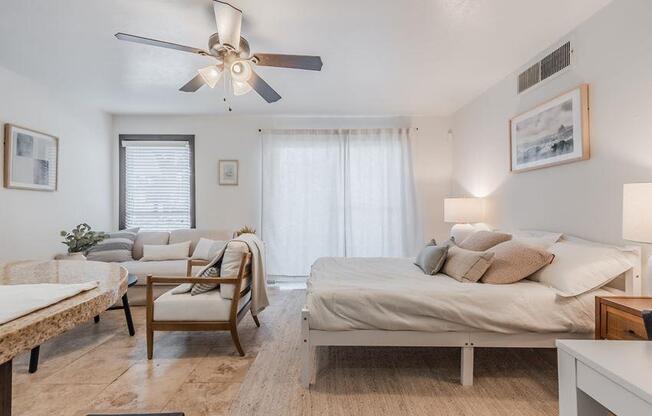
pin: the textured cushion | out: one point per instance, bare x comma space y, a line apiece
579, 268
166, 252
231, 265
156, 268
118, 247
466, 265
514, 261
484, 240
431, 258
193, 235
207, 249
151, 238
199, 288
209, 306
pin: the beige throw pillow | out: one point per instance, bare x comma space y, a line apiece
514, 261
484, 240
163, 252
466, 265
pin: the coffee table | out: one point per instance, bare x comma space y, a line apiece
24, 333
131, 280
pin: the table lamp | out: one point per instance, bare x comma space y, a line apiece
463, 212
637, 216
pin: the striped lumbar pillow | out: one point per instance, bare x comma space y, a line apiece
197, 288
117, 248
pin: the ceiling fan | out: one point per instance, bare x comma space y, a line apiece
233, 57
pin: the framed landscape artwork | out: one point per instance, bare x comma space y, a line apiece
31, 159
553, 133
228, 172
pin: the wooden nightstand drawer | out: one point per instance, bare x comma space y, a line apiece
623, 325
620, 317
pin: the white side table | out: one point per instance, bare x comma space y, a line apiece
596, 377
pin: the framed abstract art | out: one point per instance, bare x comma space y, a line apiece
31, 159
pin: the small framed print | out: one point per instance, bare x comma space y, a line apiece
31, 159
228, 172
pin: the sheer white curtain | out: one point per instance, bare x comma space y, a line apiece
336, 193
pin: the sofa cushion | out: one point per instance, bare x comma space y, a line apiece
152, 238
160, 252
193, 235
209, 306
118, 247
156, 268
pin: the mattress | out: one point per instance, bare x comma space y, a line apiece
394, 294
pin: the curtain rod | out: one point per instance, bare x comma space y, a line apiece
416, 128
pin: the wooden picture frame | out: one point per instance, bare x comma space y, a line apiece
31, 159
553, 133
228, 171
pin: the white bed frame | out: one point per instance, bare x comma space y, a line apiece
467, 341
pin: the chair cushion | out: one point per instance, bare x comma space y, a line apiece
209, 306
231, 266
151, 238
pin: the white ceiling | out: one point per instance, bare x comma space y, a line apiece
381, 57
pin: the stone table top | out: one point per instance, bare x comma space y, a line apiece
26, 332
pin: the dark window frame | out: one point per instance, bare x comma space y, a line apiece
190, 138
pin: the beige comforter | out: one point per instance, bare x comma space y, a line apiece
394, 294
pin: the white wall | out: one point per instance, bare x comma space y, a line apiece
237, 137
613, 51
30, 221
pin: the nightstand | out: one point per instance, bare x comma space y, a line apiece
619, 317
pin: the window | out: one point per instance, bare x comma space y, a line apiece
157, 182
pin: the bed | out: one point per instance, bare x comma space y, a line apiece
391, 302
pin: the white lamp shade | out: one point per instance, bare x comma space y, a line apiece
637, 212
463, 210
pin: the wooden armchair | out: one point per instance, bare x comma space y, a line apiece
204, 312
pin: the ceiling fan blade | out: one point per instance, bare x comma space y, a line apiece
229, 23
311, 63
159, 43
194, 84
262, 88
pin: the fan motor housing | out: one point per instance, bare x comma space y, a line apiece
220, 50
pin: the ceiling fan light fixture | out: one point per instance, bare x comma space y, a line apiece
240, 88
211, 75
241, 71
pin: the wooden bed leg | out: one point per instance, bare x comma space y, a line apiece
307, 352
467, 366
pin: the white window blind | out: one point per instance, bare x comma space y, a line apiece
157, 184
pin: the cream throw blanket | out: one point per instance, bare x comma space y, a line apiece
259, 300
20, 300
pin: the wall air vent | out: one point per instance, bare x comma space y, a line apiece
550, 65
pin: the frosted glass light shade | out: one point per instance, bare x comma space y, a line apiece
637, 212
240, 88
463, 210
211, 74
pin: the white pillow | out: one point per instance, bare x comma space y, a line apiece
579, 268
206, 249
542, 239
177, 251
230, 266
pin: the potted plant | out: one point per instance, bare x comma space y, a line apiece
247, 229
80, 239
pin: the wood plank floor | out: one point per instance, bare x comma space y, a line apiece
99, 368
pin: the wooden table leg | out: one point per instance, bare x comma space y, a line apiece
5, 389
130, 322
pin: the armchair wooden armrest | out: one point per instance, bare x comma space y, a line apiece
195, 262
179, 280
